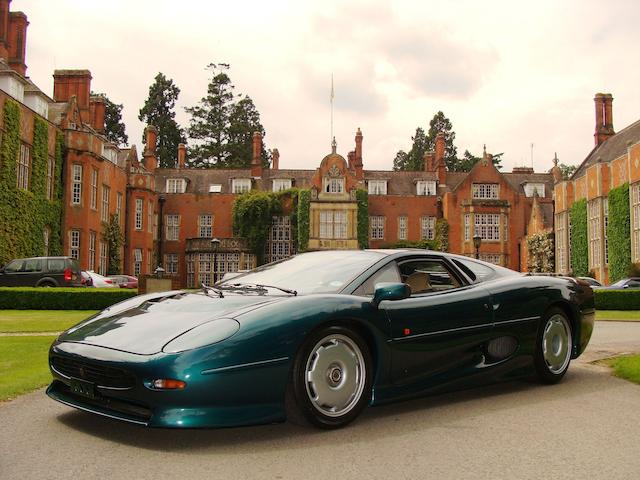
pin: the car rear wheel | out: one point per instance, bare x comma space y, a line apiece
46, 284
553, 347
331, 379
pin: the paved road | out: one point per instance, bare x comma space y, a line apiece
585, 427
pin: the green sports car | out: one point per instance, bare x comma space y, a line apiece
318, 337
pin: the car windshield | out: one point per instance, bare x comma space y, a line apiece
313, 272
619, 283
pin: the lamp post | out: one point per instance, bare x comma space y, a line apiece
215, 244
477, 241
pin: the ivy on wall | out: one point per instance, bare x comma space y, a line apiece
362, 199
304, 207
442, 235
579, 246
24, 214
540, 258
619, 233
113, 235
253, 214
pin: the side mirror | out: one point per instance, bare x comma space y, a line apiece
390, 291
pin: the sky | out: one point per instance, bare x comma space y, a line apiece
507, 74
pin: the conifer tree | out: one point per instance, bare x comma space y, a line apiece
158, 110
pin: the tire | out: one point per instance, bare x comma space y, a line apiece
554, 345
46, 284
331, 379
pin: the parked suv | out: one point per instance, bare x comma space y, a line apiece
41, 272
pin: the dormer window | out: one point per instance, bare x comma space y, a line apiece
531, 188
486, 191
281, 184
377, 187
240, 185
215, 188
426, 187
333, 185
176, 185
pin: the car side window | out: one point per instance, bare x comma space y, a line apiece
14, 266
388, 273
427, 275
32, 265
55, 265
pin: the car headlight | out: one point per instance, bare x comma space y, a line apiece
202, 335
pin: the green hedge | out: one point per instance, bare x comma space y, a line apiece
362, 198
29, 298
619, 233
304, 206
579, 245
617, 300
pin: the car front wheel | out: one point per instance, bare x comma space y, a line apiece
553, 347
331, 378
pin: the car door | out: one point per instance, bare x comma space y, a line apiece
437, 334
11, 275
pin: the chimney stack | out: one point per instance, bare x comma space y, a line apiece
182, 154
149, 157
256, 160
275, 159
357, 160
441, 166
4, 29
429, 160
17, 40
69, 83
604, 117
97, 108
351, 159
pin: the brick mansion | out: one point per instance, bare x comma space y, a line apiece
55, 155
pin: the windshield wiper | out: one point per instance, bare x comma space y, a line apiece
254, 287
206, 289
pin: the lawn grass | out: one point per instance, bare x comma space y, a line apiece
23, 365
13, 321
618, 315
627, 367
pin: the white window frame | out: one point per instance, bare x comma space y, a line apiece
119, 207
426, 187
172, 222
106, 193
594, 230
605, 218
23, 167
530, 188
93, 203
377, 187
92, 250
150, 216
403, 227
240, 185
215, 188
333, 185
281, 184
102, 270
171, 263
487, 226
333, 224
76, 185
175, 185
51, 169
137, 261
205, 225
376, 227
74, 243
485, 191
427, 227
139, 214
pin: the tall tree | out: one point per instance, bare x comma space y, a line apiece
222, 125
441, 124
567, 170
423, 143
114, 128
158, 110
468, 160
414, 158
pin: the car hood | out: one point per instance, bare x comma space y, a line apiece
145, 324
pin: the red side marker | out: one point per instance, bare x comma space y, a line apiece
407, 331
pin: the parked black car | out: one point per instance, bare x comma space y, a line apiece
633, 282
41, 272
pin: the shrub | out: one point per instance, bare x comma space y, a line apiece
579, 246
30, 298
619, 233
617, 299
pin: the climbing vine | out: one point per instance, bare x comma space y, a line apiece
540, 258
441, 240
113, 235
304, 206
25, 214
579, 246
618, 233
362, 198
253, 214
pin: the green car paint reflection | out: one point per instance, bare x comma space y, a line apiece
240, 353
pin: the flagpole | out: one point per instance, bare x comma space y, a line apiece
331, 100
